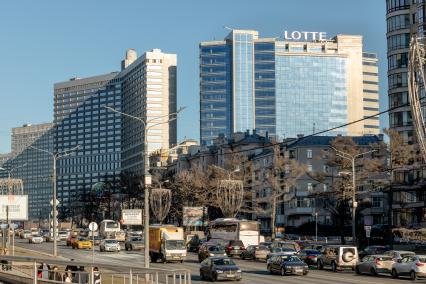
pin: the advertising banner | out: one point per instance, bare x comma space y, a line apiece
14, 207
131, 217
193, 216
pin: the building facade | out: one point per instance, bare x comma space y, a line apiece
286, 87
148, 92
81, 119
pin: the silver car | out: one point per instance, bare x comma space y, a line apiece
398, 254
375, 264
35, 239
109, 245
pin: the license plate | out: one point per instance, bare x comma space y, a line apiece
230, 275
299, 270
177, 257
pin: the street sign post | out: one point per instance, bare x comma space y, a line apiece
368, 233
93, 227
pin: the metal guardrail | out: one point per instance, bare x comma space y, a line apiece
31, 270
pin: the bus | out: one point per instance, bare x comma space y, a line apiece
228, 229
108, 228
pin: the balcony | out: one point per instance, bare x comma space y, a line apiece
299, 211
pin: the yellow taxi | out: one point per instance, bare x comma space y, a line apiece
82, 243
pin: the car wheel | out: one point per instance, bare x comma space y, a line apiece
373, 272
357, 270
282, 271
394, 273
306, 272
413, 276
214, 277
126, 248
334, 267
320, 266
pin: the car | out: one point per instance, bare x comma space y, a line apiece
49, 238
109, 245
220, 268
266, 244
81, 243
372, 250
25, 234
309, 256
398, 254
63, 235
253, 252
286, 265
280, 251
338, 257
96, 240
35, 239
290, 245
413, 266
134, 243
375, 264
235, 247
210, 251
194, 243
70, 240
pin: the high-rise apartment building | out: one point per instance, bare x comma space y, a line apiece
286, 87
34, 167
149, 92
81, 119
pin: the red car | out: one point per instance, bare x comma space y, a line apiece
235, 247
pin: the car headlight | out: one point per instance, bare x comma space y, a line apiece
219, 271
224, 254
210, 254
239, 271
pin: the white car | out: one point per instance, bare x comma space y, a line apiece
63, 235
109, 245
412, 265
398, 254
35, 239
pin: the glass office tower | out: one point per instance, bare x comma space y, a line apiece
284, 87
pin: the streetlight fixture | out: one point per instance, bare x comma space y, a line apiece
147, 177
9, 191
55, 157
352, 158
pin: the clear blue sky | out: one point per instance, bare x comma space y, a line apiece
43, 42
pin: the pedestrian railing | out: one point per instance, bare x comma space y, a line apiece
48, 270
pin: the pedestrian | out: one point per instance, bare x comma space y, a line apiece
68, 276
45, 270
96, 276
55, 275
72, 268
83, 276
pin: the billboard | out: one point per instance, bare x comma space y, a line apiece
17, 205
194, 216
131, 217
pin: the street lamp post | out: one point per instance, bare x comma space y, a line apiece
55, 157
352, 159
9, 191
147, 176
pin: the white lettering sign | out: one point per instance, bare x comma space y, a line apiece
307, 36
14, 207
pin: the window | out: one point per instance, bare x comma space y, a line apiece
310, 187
376, 202
309, 168
309, 154
398, 41
398, 22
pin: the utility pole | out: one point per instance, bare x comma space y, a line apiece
145, 157
352, 159
55, 157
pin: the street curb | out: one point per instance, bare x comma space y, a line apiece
37, 252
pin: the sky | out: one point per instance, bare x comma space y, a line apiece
43, 42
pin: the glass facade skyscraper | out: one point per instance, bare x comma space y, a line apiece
285, 87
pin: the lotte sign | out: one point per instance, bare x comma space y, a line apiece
307, 36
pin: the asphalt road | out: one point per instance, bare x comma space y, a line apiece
254, 272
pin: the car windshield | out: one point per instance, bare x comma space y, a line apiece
110, 241
422, 259
292, 259
216, 248
236, 243
282, 250
312, 252
262, 248
137, 239
223, 261
175, 244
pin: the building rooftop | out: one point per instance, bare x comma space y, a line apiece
326, 140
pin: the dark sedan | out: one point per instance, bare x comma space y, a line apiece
134, 243
220, 268
286, 265
309, 256
210, 251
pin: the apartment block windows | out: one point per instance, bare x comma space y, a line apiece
309, 154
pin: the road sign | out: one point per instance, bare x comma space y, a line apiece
131, 217
367, 231
93, 226
14, 226
14, 207
57, 202
3, 226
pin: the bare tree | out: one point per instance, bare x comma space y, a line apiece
230, 195
160, 201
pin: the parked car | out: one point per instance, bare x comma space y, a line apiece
338, 257
398, 254
375, 264
81, 243
255, 253
211, 251
413, 266
220, 268
35, 239
309, 256
370, 250
287, 264
280, 251
109, 245
235, 247
134, 243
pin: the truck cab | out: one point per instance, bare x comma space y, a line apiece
166, 243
